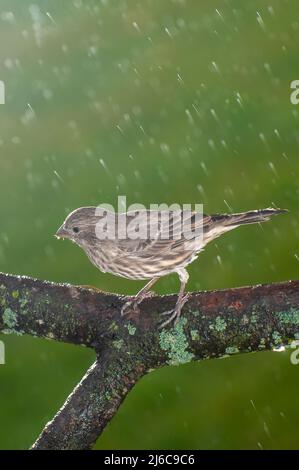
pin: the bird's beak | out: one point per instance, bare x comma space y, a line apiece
61, 232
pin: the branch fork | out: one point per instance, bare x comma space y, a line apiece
213, 324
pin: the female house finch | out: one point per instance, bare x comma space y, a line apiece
153, 255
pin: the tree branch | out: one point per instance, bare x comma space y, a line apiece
213, 324
91, 405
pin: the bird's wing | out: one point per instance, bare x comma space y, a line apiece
160, 234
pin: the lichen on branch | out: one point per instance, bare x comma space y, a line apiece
213, 324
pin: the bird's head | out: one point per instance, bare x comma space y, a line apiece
79, 226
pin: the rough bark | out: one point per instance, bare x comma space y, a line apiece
213, 324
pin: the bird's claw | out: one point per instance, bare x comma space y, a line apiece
133, 305
130, 306
174, 313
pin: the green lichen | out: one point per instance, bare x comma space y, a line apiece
12, 331
194, 335
231, 350
23, 303
219, 325
24, 300
196, 313
290, 317
131, 329
118, 344
9, 318
174, 341
276, 337
2, 293
15, 294
262, 344
113, 326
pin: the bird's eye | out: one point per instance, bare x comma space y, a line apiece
76, 229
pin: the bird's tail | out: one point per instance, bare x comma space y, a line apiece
250, 217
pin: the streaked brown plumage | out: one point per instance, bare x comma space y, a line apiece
155, 256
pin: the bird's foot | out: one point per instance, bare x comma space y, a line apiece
130, 306
174, 314
133, 305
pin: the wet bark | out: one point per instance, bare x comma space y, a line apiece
213, 324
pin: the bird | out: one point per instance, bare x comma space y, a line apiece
158, 252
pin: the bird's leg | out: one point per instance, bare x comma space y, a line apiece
182, 299
142, 294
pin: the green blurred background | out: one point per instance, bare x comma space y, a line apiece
161, 101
